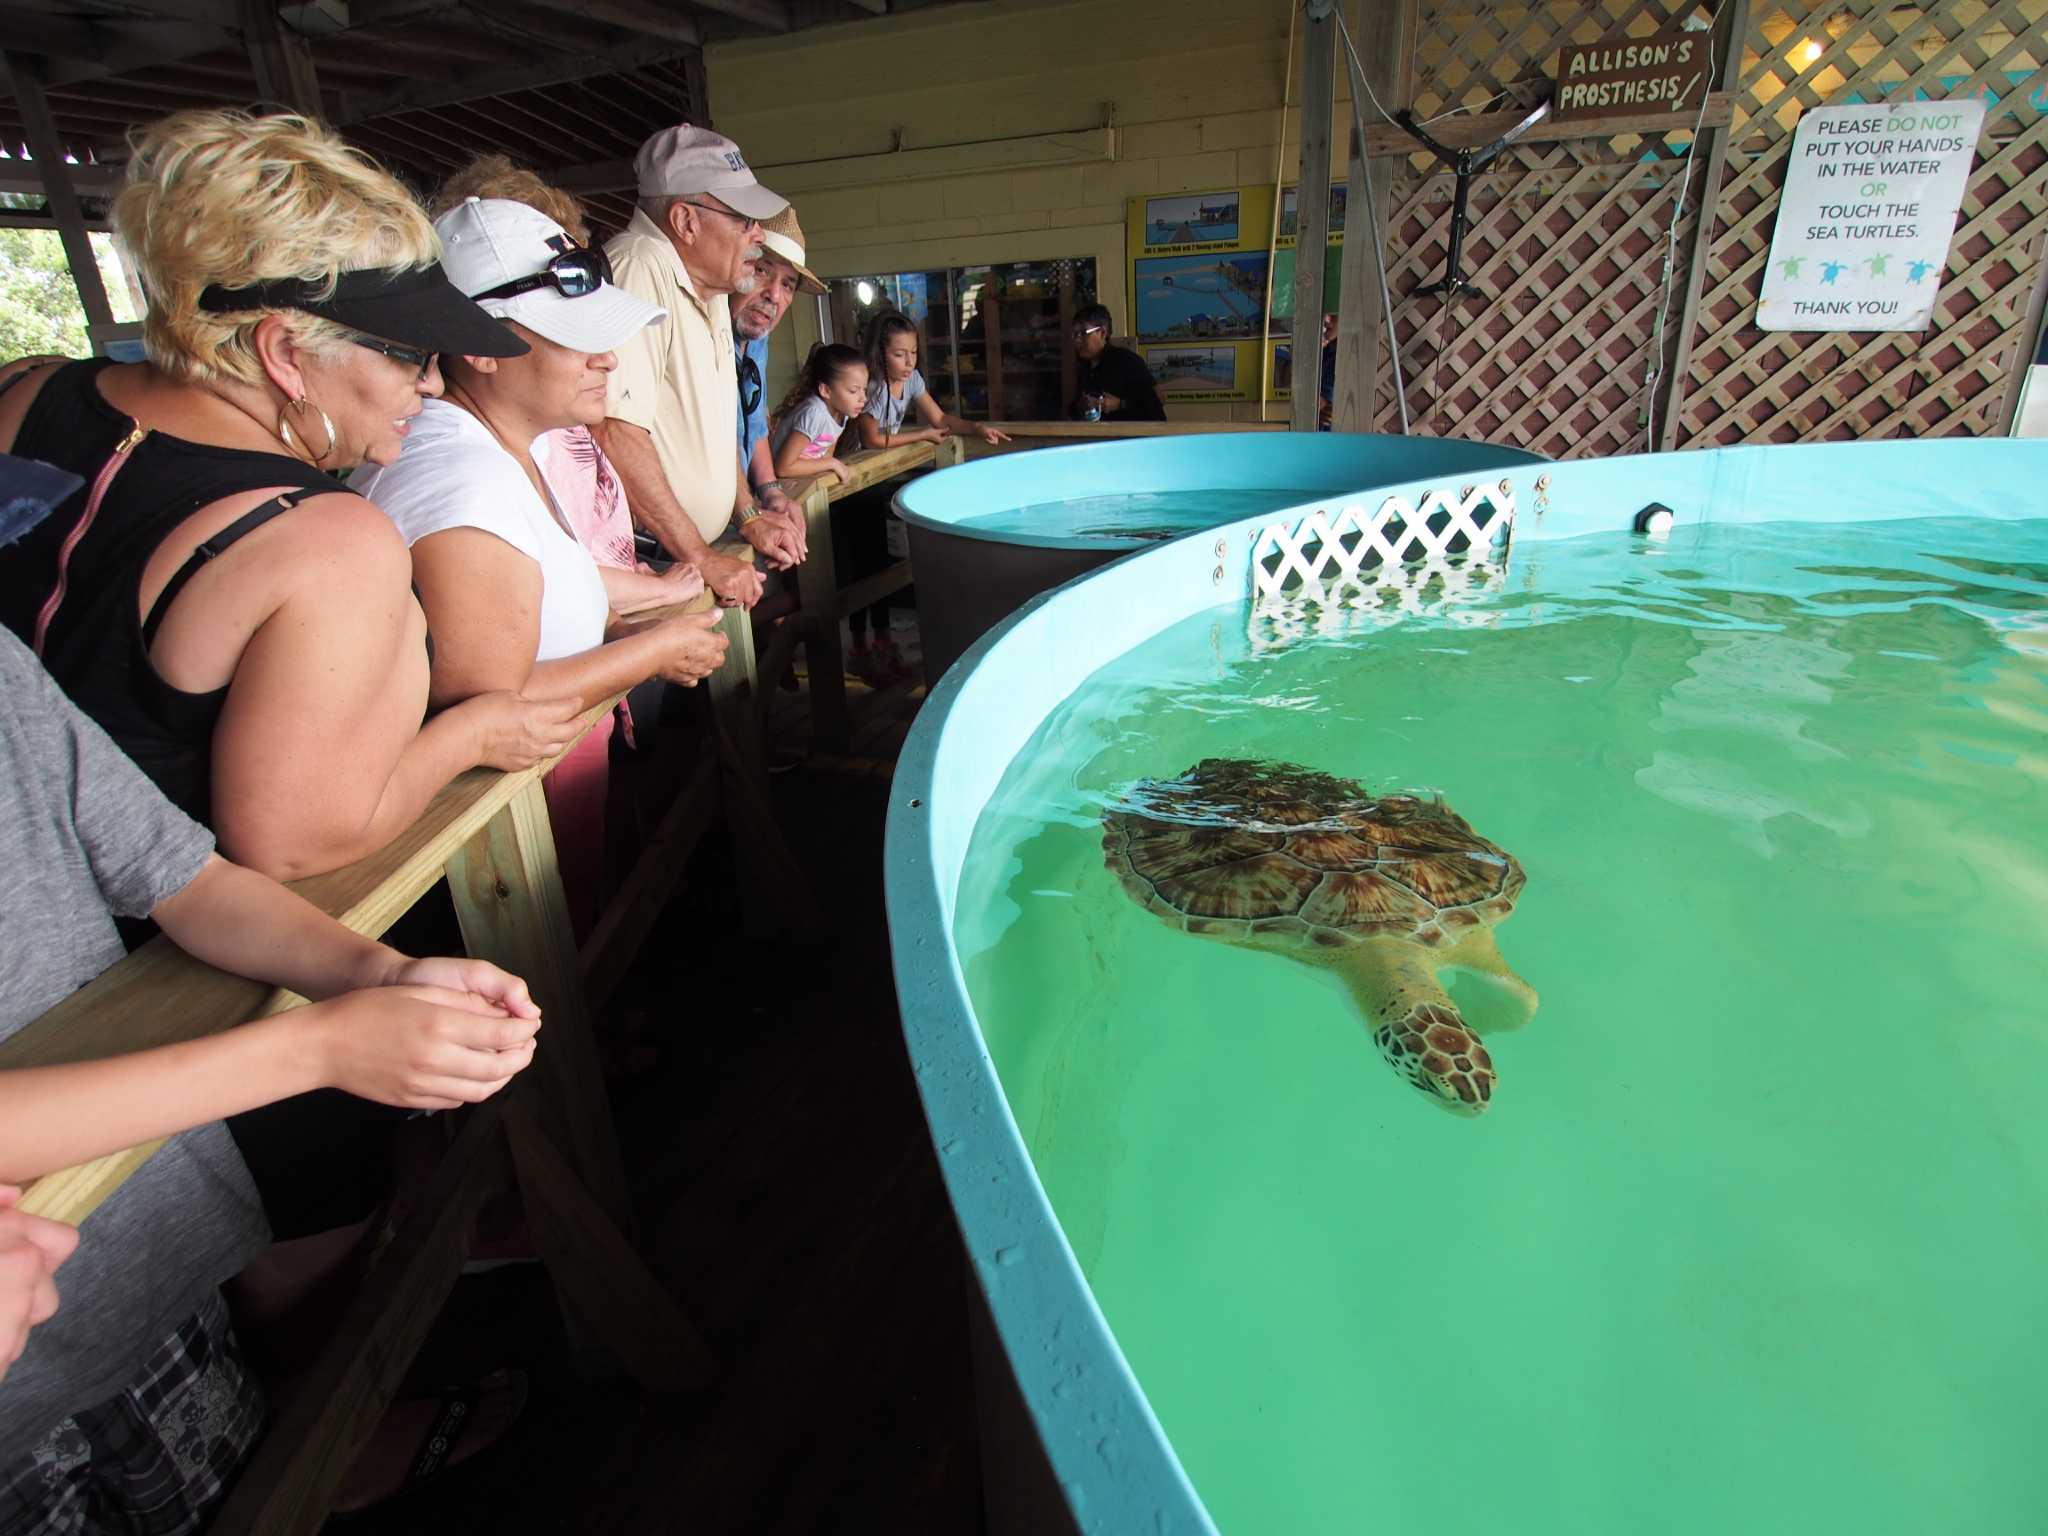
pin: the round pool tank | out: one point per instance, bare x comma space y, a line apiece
1070, 1441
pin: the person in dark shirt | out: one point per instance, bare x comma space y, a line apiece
1114, 380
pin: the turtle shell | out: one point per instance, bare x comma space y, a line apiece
1241, 849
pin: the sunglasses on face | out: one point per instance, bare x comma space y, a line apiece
412, 356
750, 385
575, 273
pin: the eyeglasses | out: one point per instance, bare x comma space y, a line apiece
415, 356
714, 208
1088, 330
750, 379
574, 274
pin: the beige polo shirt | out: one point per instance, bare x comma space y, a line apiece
676, 378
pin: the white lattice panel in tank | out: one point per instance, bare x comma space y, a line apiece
1436, 587
1321, 559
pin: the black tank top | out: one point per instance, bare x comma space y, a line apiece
97, 644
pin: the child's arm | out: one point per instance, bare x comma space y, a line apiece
789, 458
418, 1047
421, 1034
941, 423
872, 435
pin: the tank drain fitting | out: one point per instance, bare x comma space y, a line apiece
1656, 519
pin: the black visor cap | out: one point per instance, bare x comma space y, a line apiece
417, 307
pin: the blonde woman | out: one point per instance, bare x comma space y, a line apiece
238, 622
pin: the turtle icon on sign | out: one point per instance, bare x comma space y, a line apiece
1791, 264
1876, 263
1830, 270
1916, 271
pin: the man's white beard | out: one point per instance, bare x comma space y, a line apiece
747, 283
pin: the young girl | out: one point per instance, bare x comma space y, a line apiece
896, 393
831, 388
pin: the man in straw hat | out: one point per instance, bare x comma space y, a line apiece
674, 396
779, 276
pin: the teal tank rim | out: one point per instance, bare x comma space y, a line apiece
1331, 464
1104, 1443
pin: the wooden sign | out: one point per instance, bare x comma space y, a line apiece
1619, 76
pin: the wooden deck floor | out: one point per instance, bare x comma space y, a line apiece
788, 1195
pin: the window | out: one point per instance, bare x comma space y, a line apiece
995, 341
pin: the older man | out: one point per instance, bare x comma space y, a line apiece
674, 396
779, 276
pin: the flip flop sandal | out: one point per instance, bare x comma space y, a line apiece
458, 1407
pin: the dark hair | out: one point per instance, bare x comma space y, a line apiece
888, 323
827, 363
1089, 315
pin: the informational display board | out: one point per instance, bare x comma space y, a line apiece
1867, 214
1199, 280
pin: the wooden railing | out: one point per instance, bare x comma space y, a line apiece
824, 600
550, 1130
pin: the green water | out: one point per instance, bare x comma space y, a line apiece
1752, 1236
1152, 516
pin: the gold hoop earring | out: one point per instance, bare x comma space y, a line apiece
303, 408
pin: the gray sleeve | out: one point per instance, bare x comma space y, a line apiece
142, 849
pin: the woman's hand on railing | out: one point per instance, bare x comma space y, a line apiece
514, 732
31, 1248
417, 1047
694, 648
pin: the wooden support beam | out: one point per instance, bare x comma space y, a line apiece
661, 21
1472, 130
1384, 34
817, 582
773, 15
130, 45
508, 897
282, 59
1669, 396
427, 94
290, 1484
598, 1275
698, 106
47, 151
1312, 211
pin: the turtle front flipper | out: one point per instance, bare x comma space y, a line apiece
1416, 1025
1475, 951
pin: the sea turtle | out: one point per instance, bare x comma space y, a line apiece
1385, 890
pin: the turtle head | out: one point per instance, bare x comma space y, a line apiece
1433, 1048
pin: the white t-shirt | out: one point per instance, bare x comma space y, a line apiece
454, 474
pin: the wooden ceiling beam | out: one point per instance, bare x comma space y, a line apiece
132, 45
359, 107
772, 15
640, 16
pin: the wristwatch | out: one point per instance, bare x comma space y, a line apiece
750, 512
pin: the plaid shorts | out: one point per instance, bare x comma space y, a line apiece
156, 1458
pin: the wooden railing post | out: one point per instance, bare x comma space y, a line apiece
507, 890
818, 590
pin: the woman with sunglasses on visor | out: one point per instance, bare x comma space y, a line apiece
513, 599
240, 623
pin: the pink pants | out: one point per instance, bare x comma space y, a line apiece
575, 790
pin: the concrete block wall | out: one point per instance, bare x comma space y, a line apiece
1194, 89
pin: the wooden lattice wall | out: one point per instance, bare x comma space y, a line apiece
1745, 385
1566, 349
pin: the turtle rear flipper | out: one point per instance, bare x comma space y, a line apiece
1476, 952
